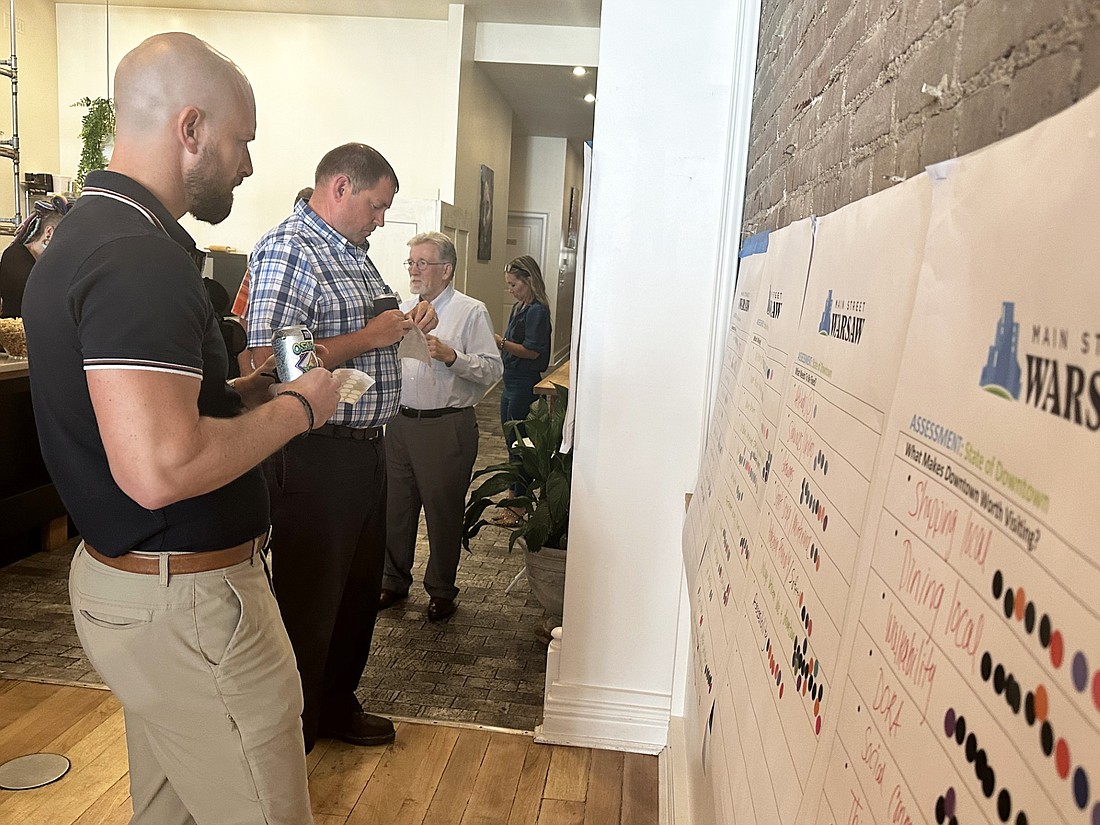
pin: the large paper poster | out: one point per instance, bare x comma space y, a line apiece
973, 692
866, 259
708, 583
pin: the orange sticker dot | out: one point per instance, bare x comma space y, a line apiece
1020, 603
1041, 703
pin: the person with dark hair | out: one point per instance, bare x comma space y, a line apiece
156, 456
525, 350
328, 491
30, 241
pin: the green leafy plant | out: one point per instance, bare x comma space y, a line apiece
97, 129
538, 463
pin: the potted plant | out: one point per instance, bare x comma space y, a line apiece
537, 463
97, 131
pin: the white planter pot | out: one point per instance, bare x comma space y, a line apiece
546, 575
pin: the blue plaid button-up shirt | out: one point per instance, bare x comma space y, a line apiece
305, 272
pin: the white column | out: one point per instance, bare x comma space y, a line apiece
652, 281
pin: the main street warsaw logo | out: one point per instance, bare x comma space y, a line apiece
1055, 385
843, 320
1001, 373
775, 303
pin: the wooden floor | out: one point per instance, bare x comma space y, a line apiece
431, 774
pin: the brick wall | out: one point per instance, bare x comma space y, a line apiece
853, 96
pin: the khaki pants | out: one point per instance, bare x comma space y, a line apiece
205, 673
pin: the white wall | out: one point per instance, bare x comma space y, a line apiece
484, 137
651, 274
320, 81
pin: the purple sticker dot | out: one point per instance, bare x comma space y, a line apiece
1080, 671
949, 724
1096, 814
949, 802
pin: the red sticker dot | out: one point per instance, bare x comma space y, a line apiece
1056, 648
1096, 689
817, 727
1061, 758
810, 628
781, 691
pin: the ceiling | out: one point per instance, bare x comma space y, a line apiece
546, 100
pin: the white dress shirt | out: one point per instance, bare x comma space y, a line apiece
464, 325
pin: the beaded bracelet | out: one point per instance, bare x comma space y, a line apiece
305, 403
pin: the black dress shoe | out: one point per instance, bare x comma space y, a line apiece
388, 598
362, 728
440, 608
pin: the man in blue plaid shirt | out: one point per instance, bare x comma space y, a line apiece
328, 491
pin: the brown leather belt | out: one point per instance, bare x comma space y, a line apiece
178, 563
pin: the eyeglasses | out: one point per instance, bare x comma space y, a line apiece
421, 265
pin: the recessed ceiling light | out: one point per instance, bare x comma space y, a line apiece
580, 71
590, 98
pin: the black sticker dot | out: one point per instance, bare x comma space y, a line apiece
1029, 617
1004, 805
1044, 630
998, 584
1046, 738
987, 666
999, 679
960, 729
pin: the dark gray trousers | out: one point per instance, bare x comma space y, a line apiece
428, 466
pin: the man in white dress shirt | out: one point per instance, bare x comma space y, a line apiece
431, 445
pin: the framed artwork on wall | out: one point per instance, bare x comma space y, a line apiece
485, 216
574, 216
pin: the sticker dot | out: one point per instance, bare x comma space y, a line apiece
1004, 805
817, 727
971, 748
1029, 617
1056, 648
1080, 788
1020, 602
1029, 708
1046, 738
1010, 603
960, 729
949, 802
1096, 689
1044, 630
1021, 818
1061, 758
940, 815
999, 679
1041, 703
987, 666
1080, 671
949, 722
1012, 694
998, 584
1096, 814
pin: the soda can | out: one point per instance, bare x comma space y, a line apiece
295, 352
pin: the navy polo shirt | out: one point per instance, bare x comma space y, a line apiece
119, 288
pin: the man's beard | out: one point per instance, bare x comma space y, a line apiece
210, 197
